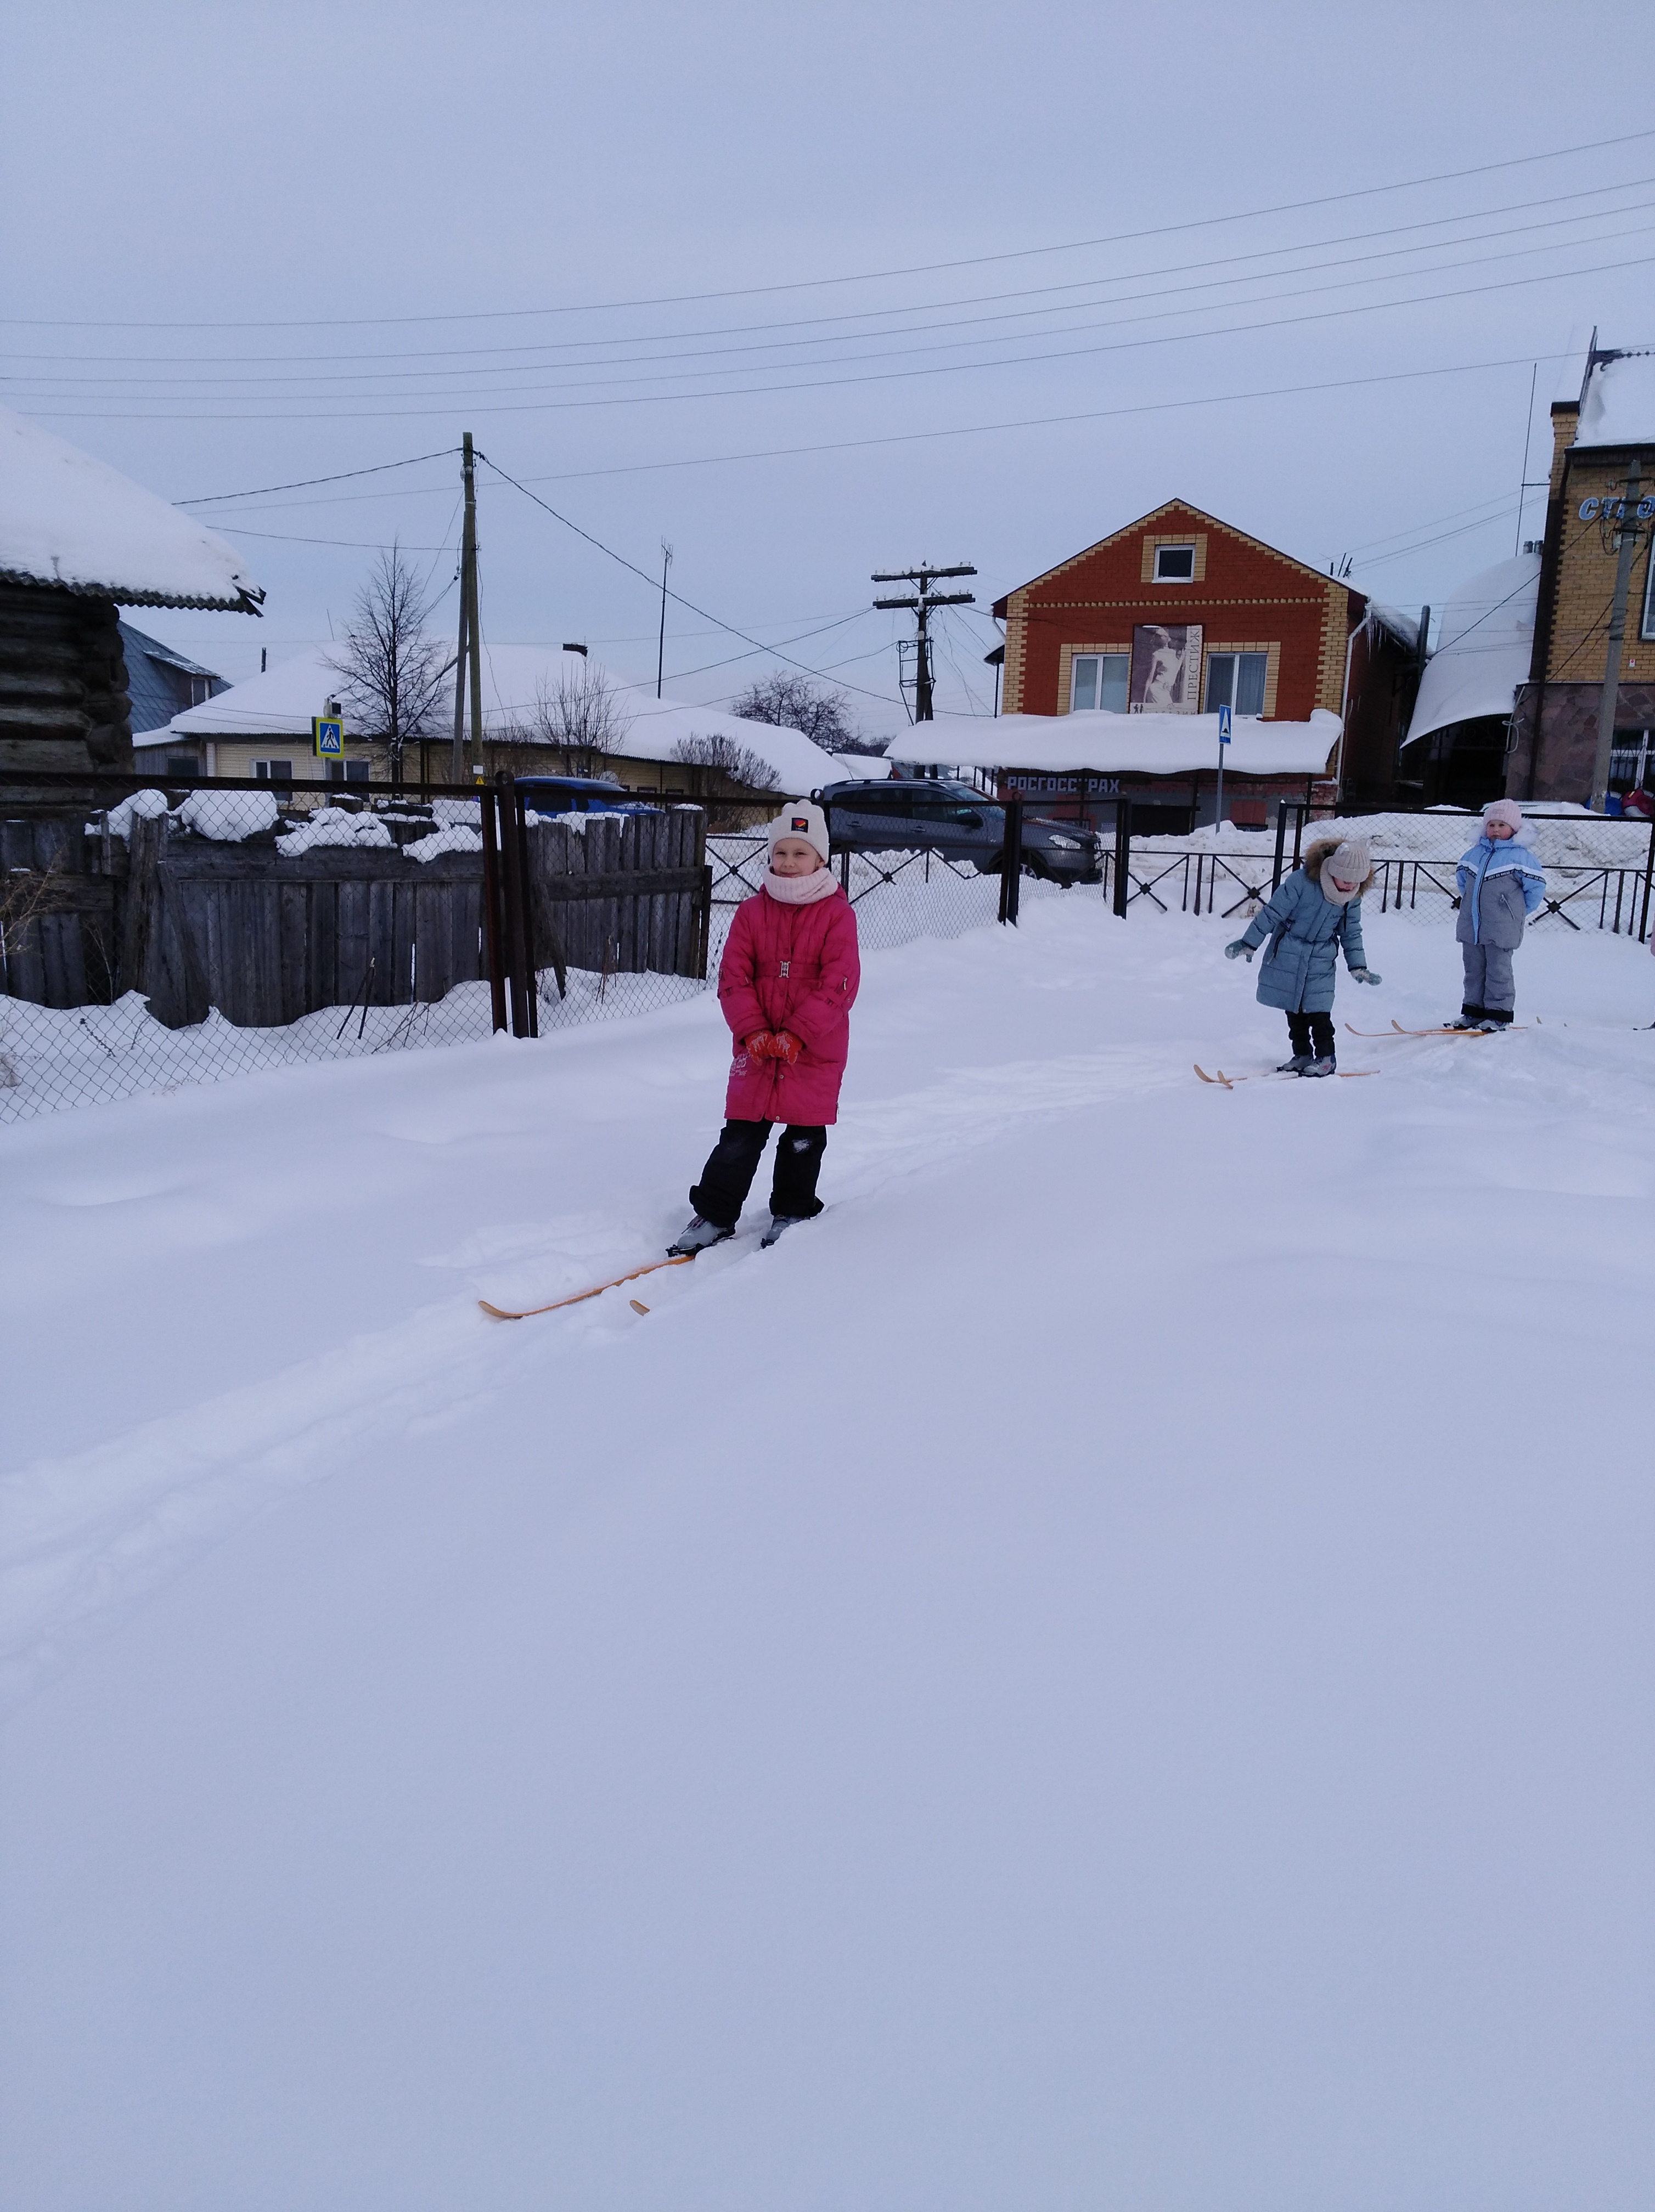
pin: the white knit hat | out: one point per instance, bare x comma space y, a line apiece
1350, 864
802, 818
1505, 810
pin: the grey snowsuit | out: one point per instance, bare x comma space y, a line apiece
1306, 933
1500, 884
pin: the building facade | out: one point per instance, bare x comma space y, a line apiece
1596, 441
1181, 613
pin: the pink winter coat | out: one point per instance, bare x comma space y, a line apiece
791, 968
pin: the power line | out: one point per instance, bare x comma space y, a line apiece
304, 484
824, 337
866, 276
677, 597
880, 376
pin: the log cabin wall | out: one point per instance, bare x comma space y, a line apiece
64, 702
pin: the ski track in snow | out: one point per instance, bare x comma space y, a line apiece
84, 1530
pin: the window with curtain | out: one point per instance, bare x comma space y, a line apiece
1236, 680
1099, 680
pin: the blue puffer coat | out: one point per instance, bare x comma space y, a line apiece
1305, 931
1500, 884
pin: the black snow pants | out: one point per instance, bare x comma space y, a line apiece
1311, 1033
734, 1162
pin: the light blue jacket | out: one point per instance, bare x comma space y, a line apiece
1305, 931
1491, 879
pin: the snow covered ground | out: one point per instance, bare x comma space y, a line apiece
1113, 1669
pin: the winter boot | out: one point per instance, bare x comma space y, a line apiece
1297, 1065
1496, 1017
1329, 1065
779, 1223
696, 1238
1468, 1018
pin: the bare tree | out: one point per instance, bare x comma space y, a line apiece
819, 711
728, 756
582, 713
393, 675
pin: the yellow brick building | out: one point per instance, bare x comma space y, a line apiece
1596, 439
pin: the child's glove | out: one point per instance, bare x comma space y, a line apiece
785, 1047
1240, 945
1364, 975
761, 1045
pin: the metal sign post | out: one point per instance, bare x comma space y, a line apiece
1223, 740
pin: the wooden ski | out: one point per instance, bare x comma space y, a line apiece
1229, 1082
500, 1313
1396, 1029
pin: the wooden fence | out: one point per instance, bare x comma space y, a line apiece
266, 936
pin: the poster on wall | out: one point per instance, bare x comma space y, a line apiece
1166, 669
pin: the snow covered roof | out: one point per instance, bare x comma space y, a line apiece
281, 702
1402, 626
1486, 643
1618, 407
67, 519
1117, 745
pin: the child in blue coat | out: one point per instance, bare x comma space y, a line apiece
1316, 912
1500, 885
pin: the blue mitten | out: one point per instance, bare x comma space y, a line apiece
1364, 975
1240, 945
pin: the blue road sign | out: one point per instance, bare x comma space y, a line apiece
327, 735
1224, 725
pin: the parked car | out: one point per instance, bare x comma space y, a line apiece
957, 821
581, 794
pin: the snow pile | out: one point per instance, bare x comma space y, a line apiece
457, 813
145, 805
457, 839
1484, 648
1618, 408
334, 825
68, 518
1580, 840
229, 816
1119, 744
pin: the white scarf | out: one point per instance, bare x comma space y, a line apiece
800, 891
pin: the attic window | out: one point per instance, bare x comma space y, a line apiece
1175, 564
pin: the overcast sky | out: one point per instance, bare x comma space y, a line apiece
634, 247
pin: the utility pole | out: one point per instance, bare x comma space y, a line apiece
1620, 519
468, 640
660, 648
920, 606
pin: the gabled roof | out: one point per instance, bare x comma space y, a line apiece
155, 702
71, 521
1180, 508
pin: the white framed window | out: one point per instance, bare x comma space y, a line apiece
1099, 679
1236, 680
1175, 564
273, 771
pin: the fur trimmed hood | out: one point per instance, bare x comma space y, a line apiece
1318, 855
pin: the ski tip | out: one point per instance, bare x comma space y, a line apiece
497, 1313
637, 1306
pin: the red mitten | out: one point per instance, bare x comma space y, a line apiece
761, 1045
785, 1047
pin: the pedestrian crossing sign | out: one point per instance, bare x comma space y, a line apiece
1224, 725
328, 736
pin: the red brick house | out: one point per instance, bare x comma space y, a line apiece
1181, 613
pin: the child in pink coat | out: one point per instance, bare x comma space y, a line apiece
787, 984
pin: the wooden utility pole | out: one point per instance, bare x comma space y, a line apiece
1620, 519
468, 641
920, 606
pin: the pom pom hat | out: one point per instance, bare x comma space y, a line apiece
800, 818
1350, 865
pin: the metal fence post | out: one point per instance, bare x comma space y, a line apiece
526, 895
1649, 869
1123, 851
511, 874
1011, 862
493, 915
1281, 844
